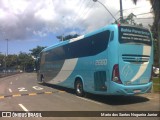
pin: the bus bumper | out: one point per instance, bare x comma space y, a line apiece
120, 89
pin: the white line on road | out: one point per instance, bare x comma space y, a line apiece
89, 100
24, 108
16, 78
11, 83
10, 90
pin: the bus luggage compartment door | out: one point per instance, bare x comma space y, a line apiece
99, 81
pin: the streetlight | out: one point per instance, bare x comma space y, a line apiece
7, 46
6, 57
106, 9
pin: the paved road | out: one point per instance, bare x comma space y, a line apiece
21, 93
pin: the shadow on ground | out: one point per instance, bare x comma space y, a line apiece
106, 99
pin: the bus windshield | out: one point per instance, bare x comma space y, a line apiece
134, 35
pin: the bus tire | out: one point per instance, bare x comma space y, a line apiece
79, 88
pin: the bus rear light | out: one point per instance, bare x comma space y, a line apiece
115, 74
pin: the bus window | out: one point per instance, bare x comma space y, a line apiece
88, 46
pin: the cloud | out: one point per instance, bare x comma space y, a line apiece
23, 19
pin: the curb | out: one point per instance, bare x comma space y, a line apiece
30, 94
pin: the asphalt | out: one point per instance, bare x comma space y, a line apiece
22, 93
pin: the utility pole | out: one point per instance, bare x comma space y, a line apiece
6, 58
121, 12
7, 47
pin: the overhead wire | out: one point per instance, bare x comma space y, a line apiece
88, 7
144, 13
87, 13
146, 18
85, 8
79, 8
83, 13
127, 9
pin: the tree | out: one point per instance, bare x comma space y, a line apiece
11, 61
155, 43
156, 24
2, 61
35, 51
67, 37
25, 61
130, 19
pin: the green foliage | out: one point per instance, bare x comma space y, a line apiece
11, 60
2, 59
23, 61
35, 51
156, 84
155, 43
67, 37
129, 20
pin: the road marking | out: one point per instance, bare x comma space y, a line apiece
11, 83
48, 92
89, 100
61, 91
16, 78
21, 89
1, 97
10, 90
31, 94
37, 88
24, 108
16, 95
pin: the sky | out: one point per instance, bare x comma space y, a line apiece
29, 23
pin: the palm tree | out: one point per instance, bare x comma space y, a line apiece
156, 10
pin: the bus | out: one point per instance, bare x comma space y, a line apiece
114, 60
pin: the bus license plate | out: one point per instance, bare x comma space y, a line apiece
137, 91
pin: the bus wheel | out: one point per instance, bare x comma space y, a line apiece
79, 88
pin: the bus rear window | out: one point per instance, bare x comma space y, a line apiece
134, 35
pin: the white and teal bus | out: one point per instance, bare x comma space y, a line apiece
114, 60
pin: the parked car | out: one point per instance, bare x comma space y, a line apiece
155, 71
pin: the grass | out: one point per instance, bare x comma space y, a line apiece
156, 84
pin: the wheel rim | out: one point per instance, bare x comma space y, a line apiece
79, 88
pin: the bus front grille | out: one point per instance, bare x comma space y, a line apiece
133, 58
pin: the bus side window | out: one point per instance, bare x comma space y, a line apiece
112, 36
